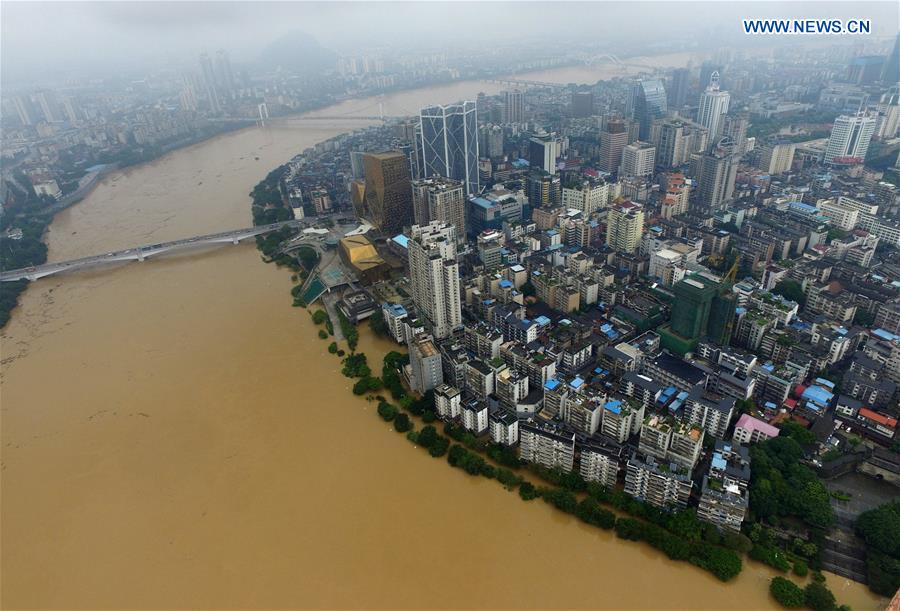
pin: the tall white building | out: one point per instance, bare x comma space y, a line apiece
625, 226
887, 122
440, 199
776, 158
713, 108
589, 196
434, 273
638, 159
209, 82
850, 137
513, 107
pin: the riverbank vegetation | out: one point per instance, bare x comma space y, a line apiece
681, 536
32, 214
815, 595
880, 529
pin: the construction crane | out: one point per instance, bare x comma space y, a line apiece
728, 281
730, 277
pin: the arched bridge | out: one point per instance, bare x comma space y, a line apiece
603, 58
139, 253
523, 83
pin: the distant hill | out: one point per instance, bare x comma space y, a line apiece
298, 52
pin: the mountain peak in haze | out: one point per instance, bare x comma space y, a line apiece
298, 52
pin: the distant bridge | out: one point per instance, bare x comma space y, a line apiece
304, 118
140, 253
524, 83
338, 118
603, 58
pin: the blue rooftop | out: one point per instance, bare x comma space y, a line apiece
401, 239
827, 383
803, 207
719, 462
551, 384
817, 395
542, 320
614, 406
505, 284
576, 383
395, 309
480, 201
884, 334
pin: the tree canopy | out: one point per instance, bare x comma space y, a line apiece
787, 593
790, 289
880, 529
781, 486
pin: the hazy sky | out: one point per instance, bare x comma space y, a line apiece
51, 38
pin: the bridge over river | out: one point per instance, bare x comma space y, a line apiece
139, 253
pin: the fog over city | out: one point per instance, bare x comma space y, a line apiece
102, 38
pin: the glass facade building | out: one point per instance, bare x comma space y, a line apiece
448, 143
647, 103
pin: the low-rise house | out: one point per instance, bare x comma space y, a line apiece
751, 430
